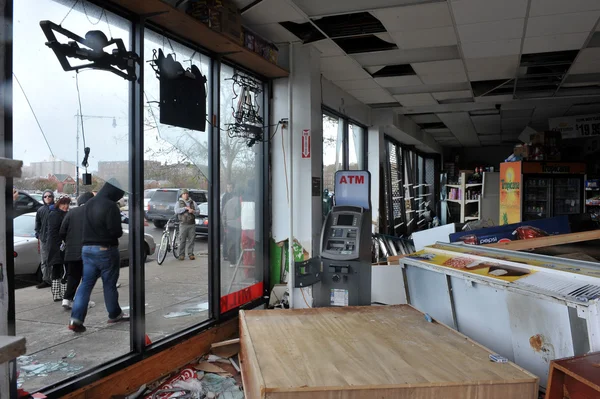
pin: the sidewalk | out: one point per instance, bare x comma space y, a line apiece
176, 298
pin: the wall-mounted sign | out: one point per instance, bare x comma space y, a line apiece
576, 126
353, 187
553, 167
305, 143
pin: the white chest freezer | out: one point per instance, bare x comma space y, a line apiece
528, 308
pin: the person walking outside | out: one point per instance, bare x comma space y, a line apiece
55, 260
186, 210
41, 221
71, 232
100, 254
233, 228
226, 197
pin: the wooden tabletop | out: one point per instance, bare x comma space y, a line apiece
367, 346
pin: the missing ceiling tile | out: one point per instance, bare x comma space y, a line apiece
595, 40
364, 44
305, 31
550, 58
484, 112
492, 87
384, 105
394, 70
457, 100
432, 125
355, 24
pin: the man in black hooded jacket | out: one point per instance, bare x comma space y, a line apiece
100, 254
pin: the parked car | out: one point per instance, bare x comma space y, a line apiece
27, 250
25, 203
147, 196
161, 206
39, 197
202, 220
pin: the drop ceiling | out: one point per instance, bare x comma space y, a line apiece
482, 69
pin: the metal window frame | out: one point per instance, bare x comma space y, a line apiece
138, 349
347, 121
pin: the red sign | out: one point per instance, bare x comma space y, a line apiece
306, 143
241, 297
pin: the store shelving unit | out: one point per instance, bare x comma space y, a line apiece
592, 198
470, 209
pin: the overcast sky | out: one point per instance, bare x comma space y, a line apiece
53, 95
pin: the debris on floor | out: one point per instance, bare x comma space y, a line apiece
29, 367
208, 377
199, 308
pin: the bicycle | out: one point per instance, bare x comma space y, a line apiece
169, 243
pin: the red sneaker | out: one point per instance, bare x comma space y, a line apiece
78, 328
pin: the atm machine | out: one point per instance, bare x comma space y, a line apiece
345, 278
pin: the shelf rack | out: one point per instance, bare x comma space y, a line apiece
183, 25
462, 202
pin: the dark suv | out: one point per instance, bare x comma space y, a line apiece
25, 203
161, 206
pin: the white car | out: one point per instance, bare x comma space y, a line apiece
27, 251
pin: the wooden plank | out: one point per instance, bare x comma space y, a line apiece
11, 348
520, 245
131, 378
191, 29
252, 378
349, 352
225, 343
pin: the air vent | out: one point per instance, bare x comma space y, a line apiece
492, 87
361, 23
305, 32
364, 44
394, 70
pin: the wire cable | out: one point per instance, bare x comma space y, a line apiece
80, 109
34, 115
71, 9
305, 301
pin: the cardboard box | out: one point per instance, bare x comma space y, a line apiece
522, 151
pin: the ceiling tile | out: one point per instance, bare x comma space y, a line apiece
431, 88
425, 118
328, 48
560, 24
550, 7
320, 7
356, 84
385, 36
399, 81
461, 126
372, 96
546, 112
396, 57
516, 113
272, 11
588, 61
583, 109
475, 11
487, 138
422, 16
414, 100
492, 68
487, 124
436, 72
515, 123
423, 38
274, 32
492, 31
335, 63
349, 73
544, 44
492, 49
447, 95
494, 99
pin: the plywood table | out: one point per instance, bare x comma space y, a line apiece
369, 352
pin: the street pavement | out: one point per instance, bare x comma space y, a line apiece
176, 298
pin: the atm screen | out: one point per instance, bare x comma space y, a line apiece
345, 220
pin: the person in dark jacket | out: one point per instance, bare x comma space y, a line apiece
100, 254
53, 245
41, 221
71, 232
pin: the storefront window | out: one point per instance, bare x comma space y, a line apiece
356, 144
242, 187
57, 115
175, 162
333, 149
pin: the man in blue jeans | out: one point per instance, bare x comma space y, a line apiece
100, 255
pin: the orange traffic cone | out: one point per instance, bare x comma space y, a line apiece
148, 342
